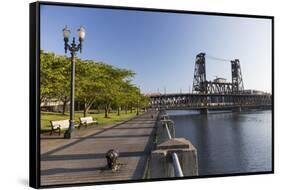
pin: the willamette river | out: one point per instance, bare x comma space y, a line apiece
228, 142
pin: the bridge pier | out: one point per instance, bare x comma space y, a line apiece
204, 111
237, 109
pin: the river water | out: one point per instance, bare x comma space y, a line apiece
228, 142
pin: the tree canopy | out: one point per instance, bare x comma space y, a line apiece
97, 84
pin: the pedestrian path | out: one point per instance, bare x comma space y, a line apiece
82, 159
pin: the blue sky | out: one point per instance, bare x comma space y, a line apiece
161, 47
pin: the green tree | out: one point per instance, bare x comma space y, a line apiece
144, 102
113, 79
54, 78
96, 84
123, 95
90, 82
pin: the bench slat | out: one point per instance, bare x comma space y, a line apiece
87, 120
62, 124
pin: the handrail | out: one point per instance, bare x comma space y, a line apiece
177, 166
168, 131
176, 163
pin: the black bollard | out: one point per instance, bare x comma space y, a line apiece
111, 157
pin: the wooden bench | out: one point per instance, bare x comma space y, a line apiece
59, 125
85, 121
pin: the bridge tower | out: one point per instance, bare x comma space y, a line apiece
199, 80
237, 81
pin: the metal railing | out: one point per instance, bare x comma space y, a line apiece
177, 166
176, 163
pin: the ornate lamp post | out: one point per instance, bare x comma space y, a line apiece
73, 48
138, 103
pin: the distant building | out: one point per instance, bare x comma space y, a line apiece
251, 91
220, 80
53, 105
152, 94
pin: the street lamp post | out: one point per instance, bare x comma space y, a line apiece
138, 103
73, 48
138, 107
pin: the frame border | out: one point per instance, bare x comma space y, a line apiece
34, 91
34, 95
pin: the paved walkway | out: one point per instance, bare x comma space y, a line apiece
82, 159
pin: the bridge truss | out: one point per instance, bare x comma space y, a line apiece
213, 94
203, 86
190, 100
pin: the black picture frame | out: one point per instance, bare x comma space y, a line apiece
34, 89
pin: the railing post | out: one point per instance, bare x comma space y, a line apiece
162, 159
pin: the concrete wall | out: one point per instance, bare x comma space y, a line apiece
161, 162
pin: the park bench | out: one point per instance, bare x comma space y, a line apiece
85, 121
59, 125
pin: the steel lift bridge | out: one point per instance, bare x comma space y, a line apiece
216, 94
218, 86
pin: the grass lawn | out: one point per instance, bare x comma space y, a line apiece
46, 117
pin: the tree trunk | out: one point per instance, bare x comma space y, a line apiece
64, 106
118, 111
87, 106
126, 109
131, 108
137, 110
106, 111
86, 109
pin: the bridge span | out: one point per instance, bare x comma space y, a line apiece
191, 101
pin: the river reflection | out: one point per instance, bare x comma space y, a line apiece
228, 142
